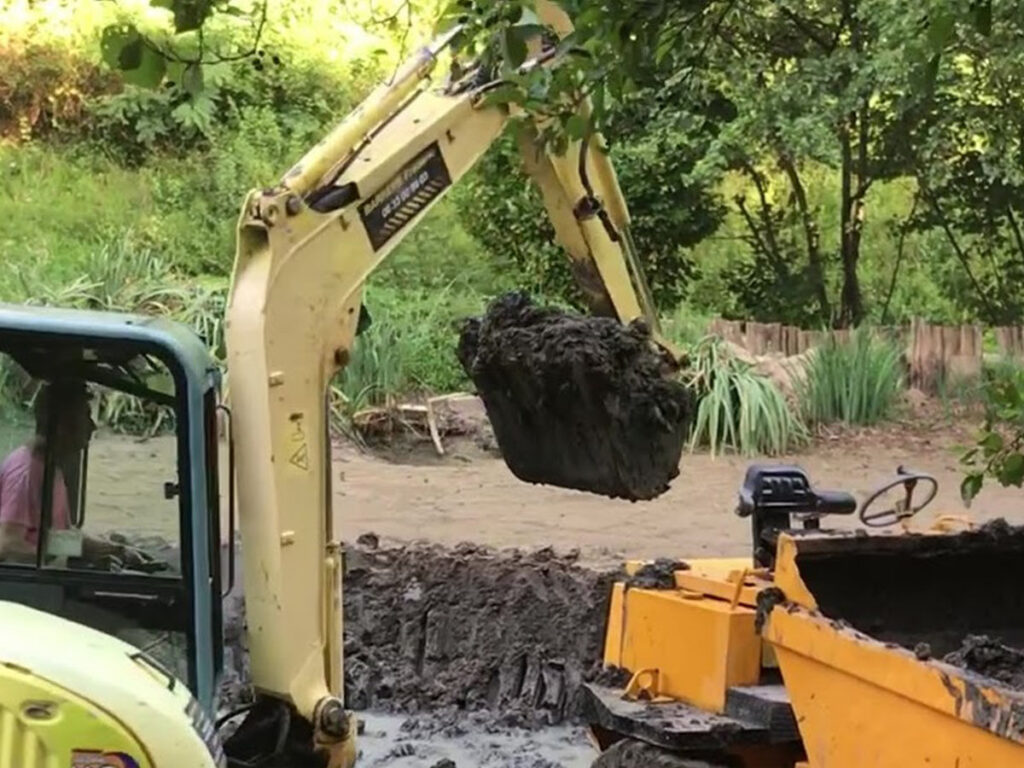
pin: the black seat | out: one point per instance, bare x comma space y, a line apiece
771, 494
787, 490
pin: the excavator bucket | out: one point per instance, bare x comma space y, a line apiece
576, 401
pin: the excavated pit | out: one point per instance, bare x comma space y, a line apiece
576, 401
440, 633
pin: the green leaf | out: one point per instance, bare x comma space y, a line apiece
130, 56
189, 15
982, 11
513, 47
926, 75
940, 28
168, 4
992, 443
970, 487
175, 72
192, 79
503, 94
1012, 471
528, 18
150, 71
113, 40
576, 126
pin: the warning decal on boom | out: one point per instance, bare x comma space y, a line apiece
410, 191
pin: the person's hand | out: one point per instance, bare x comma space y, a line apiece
130, 557
133, 559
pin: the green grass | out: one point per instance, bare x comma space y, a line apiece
738, 409
686, 325
858, 381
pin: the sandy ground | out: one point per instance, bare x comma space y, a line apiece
474, 497
469, 495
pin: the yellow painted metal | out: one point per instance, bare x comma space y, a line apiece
292, 314
322, 162
615, 626
65, 687
717, 577
744, 591
860, 703
787, 574
721, 647
645, 685
42, 725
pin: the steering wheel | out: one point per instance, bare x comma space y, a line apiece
901, 510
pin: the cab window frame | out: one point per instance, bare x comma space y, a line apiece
108, 583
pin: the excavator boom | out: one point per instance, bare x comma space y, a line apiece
304, 251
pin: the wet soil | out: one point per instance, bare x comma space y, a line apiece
430, 629
390, 741
659, 574
988, 657
926, 594
440, 632
576, 401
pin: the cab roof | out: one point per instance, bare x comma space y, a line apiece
174, 337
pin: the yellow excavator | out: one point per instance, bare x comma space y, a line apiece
73, 691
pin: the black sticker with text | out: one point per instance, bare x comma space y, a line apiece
410, 191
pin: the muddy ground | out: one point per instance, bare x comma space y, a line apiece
411, 647
467, 654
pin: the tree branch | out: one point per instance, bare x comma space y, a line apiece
904, 228
808, 30
218, 58
810, 233
1016, 230
951, 236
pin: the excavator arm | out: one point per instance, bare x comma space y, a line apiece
304, 251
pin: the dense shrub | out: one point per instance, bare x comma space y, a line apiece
857, 381
739, 409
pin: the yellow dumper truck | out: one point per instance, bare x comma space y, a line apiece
823, 649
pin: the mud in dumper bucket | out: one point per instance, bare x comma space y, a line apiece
902, 649
577, 401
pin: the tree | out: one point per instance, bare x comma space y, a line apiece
655, 144
967, 153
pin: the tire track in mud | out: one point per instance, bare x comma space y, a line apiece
436, 632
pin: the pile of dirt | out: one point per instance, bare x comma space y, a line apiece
575, 401
436, 633
431, 629
988, 657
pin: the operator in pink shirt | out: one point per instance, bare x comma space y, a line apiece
21, 477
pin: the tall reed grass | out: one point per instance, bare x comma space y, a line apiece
739, 409
855, 381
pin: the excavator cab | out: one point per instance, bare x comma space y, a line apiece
118, 534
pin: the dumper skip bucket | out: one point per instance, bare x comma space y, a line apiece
577, 402
903, 650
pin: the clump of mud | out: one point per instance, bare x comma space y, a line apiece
445, 631
660, 574
990, 658
575, 401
